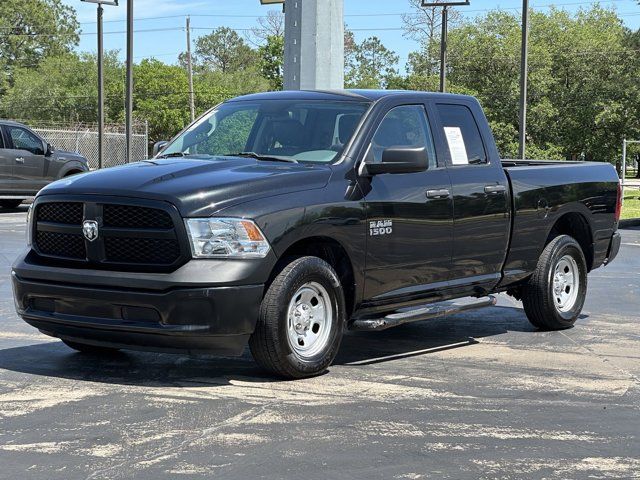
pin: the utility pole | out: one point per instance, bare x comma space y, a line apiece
192, 106
129, 81
522, 134
443, 50
443, 36
100, 12
100, 88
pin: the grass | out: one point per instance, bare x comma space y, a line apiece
631, 205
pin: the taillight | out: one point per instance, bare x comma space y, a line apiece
619, 202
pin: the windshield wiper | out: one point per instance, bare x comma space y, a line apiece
269, 158
170, 155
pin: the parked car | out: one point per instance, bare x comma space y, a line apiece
281, 219
28, 163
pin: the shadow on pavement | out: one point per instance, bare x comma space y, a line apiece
54, 359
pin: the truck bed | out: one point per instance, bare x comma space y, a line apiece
545, 191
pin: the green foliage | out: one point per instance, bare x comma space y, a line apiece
64, 88
224, 50
272, 60
369, 64
31, 30
583, 88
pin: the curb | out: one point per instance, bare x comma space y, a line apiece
629, 222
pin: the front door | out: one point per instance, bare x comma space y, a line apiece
29, 158
409, 215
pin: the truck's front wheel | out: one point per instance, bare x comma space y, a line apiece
301, 320
555, 293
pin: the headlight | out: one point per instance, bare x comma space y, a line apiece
217, 237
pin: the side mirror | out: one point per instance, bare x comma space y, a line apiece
400, 160
49, 151
159, 146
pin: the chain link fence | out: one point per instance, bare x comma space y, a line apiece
83, 138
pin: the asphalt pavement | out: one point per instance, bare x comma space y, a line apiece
480, 395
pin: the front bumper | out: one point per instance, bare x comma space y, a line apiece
189, 310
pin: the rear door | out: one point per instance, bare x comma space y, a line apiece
480, 195
409, 237
29, 158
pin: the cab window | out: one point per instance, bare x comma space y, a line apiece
404, 126
23, 139
462, 135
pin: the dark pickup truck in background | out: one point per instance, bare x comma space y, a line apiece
28, 163
281, 219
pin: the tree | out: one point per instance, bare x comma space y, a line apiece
64, 88
31, 30
371, 65
582, 79
423, 24
224, 50
270, 26
272, 60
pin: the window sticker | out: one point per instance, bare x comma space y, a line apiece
456, 146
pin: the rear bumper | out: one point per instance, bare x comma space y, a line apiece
614, 248
179, 318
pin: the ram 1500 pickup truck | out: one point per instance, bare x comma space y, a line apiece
281, 219
28, 163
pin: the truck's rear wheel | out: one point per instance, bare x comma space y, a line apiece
10, 204
301, 320
89, 349
555, 293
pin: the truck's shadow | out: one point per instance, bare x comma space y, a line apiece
54, 359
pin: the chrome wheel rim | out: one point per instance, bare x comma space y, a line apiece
309, 320
566, 282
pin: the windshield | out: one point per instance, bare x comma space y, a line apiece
287, 130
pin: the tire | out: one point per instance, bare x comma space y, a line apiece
89, 349
10, 204
288, 341
555, 294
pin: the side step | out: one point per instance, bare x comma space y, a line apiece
425, 312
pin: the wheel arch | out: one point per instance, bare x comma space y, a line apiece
576, 225
331, 251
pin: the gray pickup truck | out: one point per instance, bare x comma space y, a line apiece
28, 163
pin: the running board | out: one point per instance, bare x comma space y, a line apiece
425, 312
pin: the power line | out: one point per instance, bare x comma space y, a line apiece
376, 14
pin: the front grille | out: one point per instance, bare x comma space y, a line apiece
68, 213
136, 236
62, 245
136, 217
142, 250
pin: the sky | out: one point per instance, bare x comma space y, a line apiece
164, 38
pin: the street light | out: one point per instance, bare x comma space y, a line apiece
101, 75
443, 37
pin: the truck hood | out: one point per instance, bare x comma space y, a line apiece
197, 186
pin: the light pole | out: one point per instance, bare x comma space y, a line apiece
129, 81
101, 75
523, 79
443, 37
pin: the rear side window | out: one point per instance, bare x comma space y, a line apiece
462, 134
404, 126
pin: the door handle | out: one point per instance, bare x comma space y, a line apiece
19, 160
494, 188
441, 193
